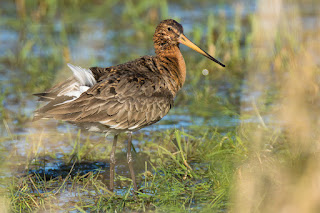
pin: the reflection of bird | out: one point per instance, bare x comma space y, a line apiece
126, 97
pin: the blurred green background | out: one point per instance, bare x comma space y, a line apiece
240, 138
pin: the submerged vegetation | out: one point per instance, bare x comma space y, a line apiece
243, 139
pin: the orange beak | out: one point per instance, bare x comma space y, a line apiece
184, 40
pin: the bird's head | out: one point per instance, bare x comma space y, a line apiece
170, 33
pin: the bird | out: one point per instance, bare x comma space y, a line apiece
123, 98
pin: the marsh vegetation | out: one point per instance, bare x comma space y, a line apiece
244, 138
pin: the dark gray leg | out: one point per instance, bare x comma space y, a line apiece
129, 158
113, 162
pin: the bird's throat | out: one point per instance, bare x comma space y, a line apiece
173, 64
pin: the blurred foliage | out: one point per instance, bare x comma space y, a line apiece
250, 130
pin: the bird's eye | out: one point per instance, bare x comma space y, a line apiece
169, 29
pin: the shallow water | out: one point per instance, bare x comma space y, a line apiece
98, 43
40, 49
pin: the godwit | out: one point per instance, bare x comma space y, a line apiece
125, 97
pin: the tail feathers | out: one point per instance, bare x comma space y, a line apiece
44, 111
44, 96
64, 92
38, 116
72, 86
84, 76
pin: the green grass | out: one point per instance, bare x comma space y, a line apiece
179, 174
253, 136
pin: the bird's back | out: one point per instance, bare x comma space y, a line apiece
126, 97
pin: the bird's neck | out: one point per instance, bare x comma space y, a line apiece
173, 66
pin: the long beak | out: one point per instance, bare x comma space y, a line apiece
184, 40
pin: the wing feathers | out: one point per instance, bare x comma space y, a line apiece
124, 100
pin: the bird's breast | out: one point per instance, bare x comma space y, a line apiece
173, 69
181, 67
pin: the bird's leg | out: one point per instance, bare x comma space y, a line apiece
113, 162
129, 158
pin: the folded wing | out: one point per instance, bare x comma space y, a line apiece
121, 99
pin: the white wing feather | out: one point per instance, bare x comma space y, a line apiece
84, 79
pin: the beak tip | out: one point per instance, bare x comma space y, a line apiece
184, 40
218, 62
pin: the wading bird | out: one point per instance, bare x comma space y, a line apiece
125, 97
